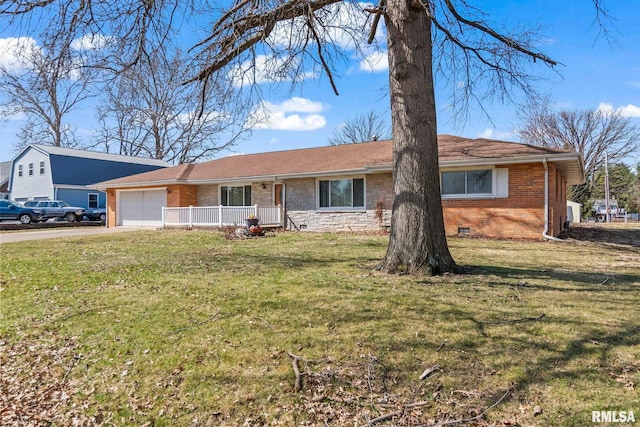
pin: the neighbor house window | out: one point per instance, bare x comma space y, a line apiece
470, 182
19, 170
235, 196
41, 168
30, 169
341, 193
93, 201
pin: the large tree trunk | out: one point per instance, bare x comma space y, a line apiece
417, 244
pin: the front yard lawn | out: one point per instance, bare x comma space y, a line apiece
176, 328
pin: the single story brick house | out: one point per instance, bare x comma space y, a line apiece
489, 188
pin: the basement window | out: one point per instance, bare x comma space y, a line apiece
464, 230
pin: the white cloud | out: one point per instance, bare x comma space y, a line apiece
15, 53
8, 114
344, 22
492, 133
263, 69
301, 105
18, 55
628, 110
285, 116
90, 42
375, 62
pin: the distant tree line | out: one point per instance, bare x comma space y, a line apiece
597, 134
624, 186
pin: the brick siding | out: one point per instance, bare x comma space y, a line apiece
520, 215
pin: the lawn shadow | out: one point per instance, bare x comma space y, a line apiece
599, 282
557, 366
600, 234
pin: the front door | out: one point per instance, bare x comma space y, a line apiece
278, 195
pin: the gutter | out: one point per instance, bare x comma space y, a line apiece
546, 204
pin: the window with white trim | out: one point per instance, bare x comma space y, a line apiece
93, 201
19, 170
341, 193
42, 168
477, 182
239, 195
30, 169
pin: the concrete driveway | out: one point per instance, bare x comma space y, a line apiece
54, 233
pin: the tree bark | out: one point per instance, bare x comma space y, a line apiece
417, 244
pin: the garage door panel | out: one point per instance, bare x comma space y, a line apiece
142, 207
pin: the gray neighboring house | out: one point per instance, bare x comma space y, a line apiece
41, 172
5, 174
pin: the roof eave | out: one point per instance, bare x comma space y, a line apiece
572, 163
277, 177
103, 186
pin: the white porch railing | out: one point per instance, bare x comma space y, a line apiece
220, 216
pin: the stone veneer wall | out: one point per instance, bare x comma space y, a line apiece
208, 195
338, 221
303, 215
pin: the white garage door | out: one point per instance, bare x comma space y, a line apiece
141, 207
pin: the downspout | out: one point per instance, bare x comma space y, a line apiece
546, 204
282, 201
106, 207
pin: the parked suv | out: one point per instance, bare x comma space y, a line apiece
10, 211
60, 209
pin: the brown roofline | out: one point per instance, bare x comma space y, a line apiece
379, 161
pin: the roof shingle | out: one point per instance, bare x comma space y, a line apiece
328, 159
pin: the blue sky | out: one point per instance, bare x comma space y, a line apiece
595, 73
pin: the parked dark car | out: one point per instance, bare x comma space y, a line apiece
98, 214
10, 211
59, 209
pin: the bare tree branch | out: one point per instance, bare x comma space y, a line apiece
361, 128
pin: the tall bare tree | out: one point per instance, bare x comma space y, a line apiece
149, 112
590, 132
46, 84
453, 37
361, 128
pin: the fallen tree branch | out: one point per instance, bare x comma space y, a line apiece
296, 370
467, 420
202, 322
198, 323
523, 319
382, 418
429, 371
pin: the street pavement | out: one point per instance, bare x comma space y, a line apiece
55, 233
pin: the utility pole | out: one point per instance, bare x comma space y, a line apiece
606, 187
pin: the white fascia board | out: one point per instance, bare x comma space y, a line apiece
140, 184
74, 187
510, 160
270, 178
